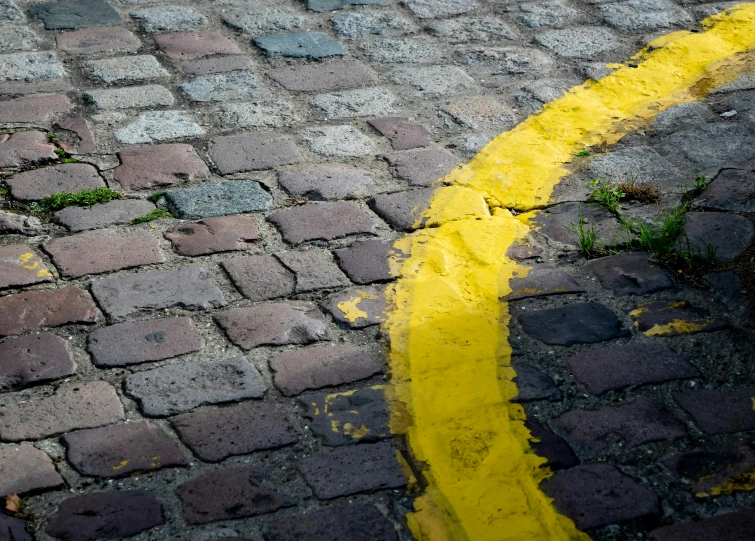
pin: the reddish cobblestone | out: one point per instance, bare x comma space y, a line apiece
323, 182
96, 252
522, 252
102, 215
403, 134
146, 167
33, 359
33, 310
67, 177
105, 515
369, 261
351, 470
253, 152
359, 307
726, 527
214, 434
192, 45
720, 412
25, 469
357, 522
213, 235
73, 406
231, 493
598, 495
403, 210
314, 269
20, 266
35, 108
80, 127
324, 221
336, 75
119, 450
421, 167
277, 324
125, 344
89, 41
319, 366
25, 148
260, 277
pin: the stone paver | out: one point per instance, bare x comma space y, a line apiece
551, 446
717, 412
260, 277
126, 69
76, 14
14, 528
644, 15
158, 126
34, 108
715, 471
357, 522
403, 210
327, 181
337, 141
72, 406
17, 38
262, 114
421, 167
213, 235
103, 215
214, 434
299, 45
224, 87
33, 310
542, 280
585, 323
67, 177
25, 148
728, 289
673, 318
336, 75
167, 18
97, 40
533, 384
323, 221
730, 526
105, 515
734, 143
232, 493
732, 190
33, 359
355, 103
175, 388
314, 367
556, 223
159, 165
402, 133
125, 344
19, 224
725, 235
20, 266
578, 42
360, 307
213, 199
314, 269
80, 128
630, 274
365, 24
192, 45
216, 64
187, 287
253, 152
24, 469
367, 261
434, 81
120, 450
131, 97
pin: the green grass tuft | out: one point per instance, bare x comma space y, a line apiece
587, 238
155, 196
583, 153
605, 194
154, 215
84, 198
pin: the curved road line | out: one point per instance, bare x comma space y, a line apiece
449, 356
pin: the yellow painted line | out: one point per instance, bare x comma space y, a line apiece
449, 351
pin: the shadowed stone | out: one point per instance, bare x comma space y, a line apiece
734, 143
67, 177
20, 266
631, 273
542, 280
585, 323
324, 221
32, 359
732, 190
726, 527
674, 318
726, 235
357, 522
324, 182
336, 75
213, 235
19, 224
76, 14
219, 199
26, 469
556, 222
359, 307
551, 446
602, 370
299, 45
718, 471
421, 167
720, 412
102, 215
727, 287
534, 384
227, 494
368, 261
253, 152
33, 310
25, 148
14, 529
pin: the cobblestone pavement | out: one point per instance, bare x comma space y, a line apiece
211, 376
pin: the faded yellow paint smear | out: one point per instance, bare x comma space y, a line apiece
449, 351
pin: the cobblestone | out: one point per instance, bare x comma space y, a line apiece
80, 127
360, 307
709, 473
717, 412
732, 191
644, 15
14, 528
159, 165
322, 221
34, 109
224, 87
673, 318
17, 38
730, 526
169, 18
34, 359
734, 143
34, 310
584, 323
20, 266
509, 60
264, 114
533, 384
554, 223
428, 9
103, 215
433, 81
402, 210
465, 29
728, 289
218, 199
400, 50
403, 134
365, 262
192, 45
260, 277
97, 40
25, 148
551, 446
542, 280
476, 113
68, 177
727, 235
335, 75
355, 103
25, 469
641, 164
158, 126
217, 64
578, 42
421, 167
630, 274
76, 14
133, 96
309, 45
363, 24
552, 14
326, 182
10, 12
337, 141
263, 19
354, 522
213, 235
126, 69
253, 152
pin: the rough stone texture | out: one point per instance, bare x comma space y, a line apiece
555, 223
263, 114
630, 274
355, 103
314, 269
224, 87
551, 446
103, 215
403, 210
602, 370
278, 324
337, 141
476, 113
217, 64
509, 60
191, 45
159, 165
130, 97
35, 108
367, 261
542, 280
719, 412
119, 450
175, 388
323, 182
214, 434
331, 5
466, 29
734, 143
33, 310
105, 515
76, 14
253, 152
578, 42
97, 40
634, 423
13, 529
365, 24
219, 199
357, 522
584, 323
644, 15
546, 14
673, 318
168, 18
598, 495
717, 471
349, 417
259, 19
522, 252
126, 69
641, 165
421, 167
96, 252
728, 289
727, 235
732, 190
67, 177
360, 307
10, 12
19, 224
33, 359
260, 277
157, 126
187, 287
325, 221
16, 38
534, 384
297, 370
336, 75
73, 406
299, 45
401, 50
25, 469
403, 134
25, 148
227, 494
434, 81
429, 9
213, 235
137, 342
682, 115
20, 266
728, 526
351, 470
80, 128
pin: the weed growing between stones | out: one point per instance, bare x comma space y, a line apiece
4, 191
84, 198
587, 237
155, 197
154, 215
606, 194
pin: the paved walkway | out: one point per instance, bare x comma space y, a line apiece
201, 354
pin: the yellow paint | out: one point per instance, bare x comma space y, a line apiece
122, 465
677, 326
350, 307
743, 482
30, 261
450, 356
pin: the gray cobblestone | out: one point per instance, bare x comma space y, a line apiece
126, 69
133, 96
169, 18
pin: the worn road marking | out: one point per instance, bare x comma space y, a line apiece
450, 356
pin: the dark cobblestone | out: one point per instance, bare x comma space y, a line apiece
76, 14
33, 310
542, 280
630, 274
25, 469
359, 307
585, 323
673, 318
558, 454
357, 522
714, 472
219, 199
729, 527
727, 235
13, 529
720, 412
322, 221
403, 210
33, 359
299, 45
368, 261
534, 384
